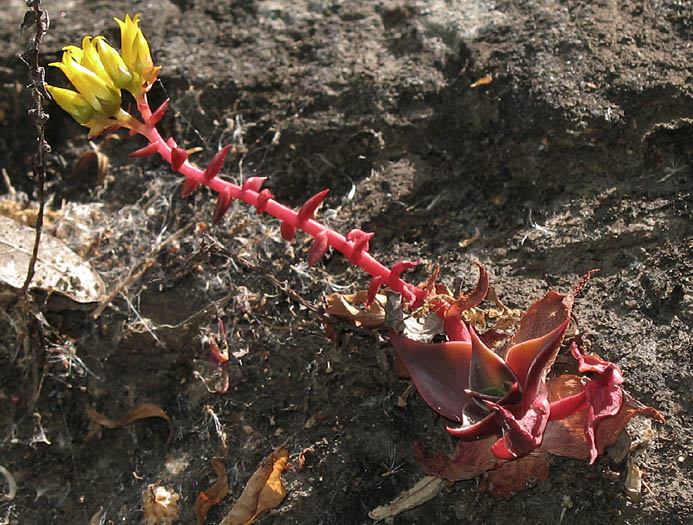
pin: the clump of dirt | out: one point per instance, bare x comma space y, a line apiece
576, 155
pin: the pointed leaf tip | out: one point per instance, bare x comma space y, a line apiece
158, 114
223, 204
307, 210
254, 183
318, 248
216, 163
399, 268
178, 158
149, 149
189, 186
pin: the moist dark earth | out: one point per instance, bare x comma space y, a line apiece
576, 155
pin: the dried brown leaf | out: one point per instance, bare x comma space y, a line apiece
352, 308
264, 490
213, 495
144, 411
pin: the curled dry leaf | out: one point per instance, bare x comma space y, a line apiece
352, 307
145, 410
263, 492
425, 490
213, 495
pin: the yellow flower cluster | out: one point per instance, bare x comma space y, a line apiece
98, 73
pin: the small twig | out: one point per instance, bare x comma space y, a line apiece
38, 19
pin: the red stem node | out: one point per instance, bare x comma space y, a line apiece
358, 240
262, 199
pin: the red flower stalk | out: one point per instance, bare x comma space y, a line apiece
354, 246
99, 73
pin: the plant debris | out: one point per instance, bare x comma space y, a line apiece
264, 490
425, 490
144, 411
213, 495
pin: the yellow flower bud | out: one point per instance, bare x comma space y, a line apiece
136, 55
115, 67
73, 103
101, 94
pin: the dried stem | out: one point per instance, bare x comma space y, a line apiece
37, 19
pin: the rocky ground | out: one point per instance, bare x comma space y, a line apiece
543, 139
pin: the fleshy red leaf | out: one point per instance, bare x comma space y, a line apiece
520, 436
254, 183
602, 401
318, 248
488, 373
309, 207
531, 359
178, 158
189, 186
440, 372
373, 289
594, 363
149, 149
216, 163
288, 231
158, 114
223, 203
543, 317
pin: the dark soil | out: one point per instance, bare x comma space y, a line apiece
576, 156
